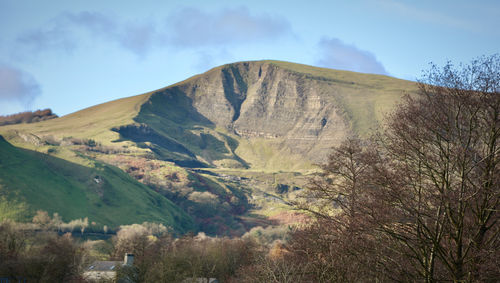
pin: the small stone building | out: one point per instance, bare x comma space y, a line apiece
106, 270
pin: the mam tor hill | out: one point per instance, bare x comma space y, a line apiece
221, 141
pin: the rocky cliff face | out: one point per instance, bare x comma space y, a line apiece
265, 116
297, 112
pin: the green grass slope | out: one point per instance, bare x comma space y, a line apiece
190, 124
31, 180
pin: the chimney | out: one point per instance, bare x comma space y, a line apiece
129, 259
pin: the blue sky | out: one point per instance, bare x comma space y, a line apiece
69, 55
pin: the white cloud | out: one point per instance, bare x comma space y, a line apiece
192, 27
56, 37
137, 37
17, 86
338, 55
186, 28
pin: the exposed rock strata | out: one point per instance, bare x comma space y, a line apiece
261, 100
297, 110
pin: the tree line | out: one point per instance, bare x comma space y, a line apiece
28, 117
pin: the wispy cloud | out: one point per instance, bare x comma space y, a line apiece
92, 21
338, 55
17, 86
139, 37
57, 37
186, 28
135, 36
191, 27
208, 58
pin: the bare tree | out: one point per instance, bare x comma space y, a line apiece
422, 204
442, 172
340, 245
341, 186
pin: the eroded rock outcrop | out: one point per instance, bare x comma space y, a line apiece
297, 112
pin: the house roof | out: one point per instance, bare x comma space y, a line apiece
104, 265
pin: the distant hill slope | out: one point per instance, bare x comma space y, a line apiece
263, 115
268, 117
32, 180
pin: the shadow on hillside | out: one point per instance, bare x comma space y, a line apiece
171, 127
101, 192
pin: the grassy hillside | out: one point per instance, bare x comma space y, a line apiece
367, 98
254, 119
189, 135
31, 180
94, 122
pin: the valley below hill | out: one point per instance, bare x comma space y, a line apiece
221, 152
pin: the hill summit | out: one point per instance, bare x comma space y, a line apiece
259, 116
262, 115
